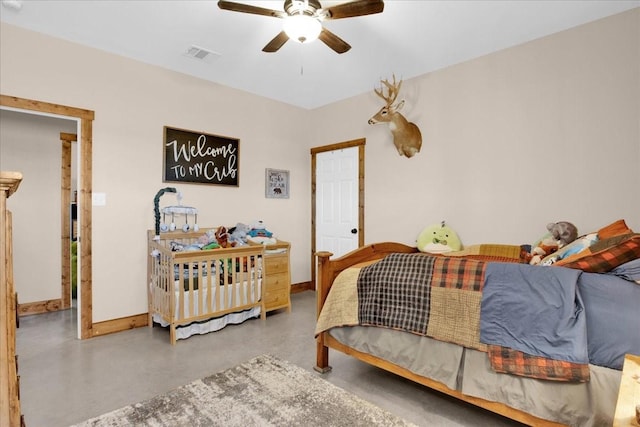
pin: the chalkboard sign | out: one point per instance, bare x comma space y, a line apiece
200, 158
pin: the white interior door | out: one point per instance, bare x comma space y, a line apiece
337, 201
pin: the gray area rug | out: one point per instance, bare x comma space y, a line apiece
264, 391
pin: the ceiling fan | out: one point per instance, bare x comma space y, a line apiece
303, 20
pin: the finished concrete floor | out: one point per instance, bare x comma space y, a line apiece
64, 380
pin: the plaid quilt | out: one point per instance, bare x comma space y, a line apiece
435, 296
440, 297
507, 360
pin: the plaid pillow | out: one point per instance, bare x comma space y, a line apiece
616, 228
609, 258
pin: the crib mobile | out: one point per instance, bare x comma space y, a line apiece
173, 211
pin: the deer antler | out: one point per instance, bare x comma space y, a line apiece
393, 89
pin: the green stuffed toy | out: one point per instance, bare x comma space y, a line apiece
438, 238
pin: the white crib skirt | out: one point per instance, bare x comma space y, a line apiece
212, 325
217, 323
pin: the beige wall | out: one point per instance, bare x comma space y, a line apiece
36, 206
132, 102
540, 132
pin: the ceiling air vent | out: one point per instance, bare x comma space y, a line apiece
201, 54
12, 4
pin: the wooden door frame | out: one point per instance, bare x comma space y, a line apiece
66, 141
85, 118
360, 143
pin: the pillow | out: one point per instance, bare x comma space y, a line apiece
629, 271
575, 247
616, 228
598, 246
609, 258
609, 242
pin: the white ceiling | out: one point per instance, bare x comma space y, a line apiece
409, 38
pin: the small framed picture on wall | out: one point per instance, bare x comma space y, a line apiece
276, 184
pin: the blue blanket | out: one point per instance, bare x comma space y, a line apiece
534, 309
612, 305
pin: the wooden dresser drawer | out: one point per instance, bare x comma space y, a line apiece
276, 263
277, 281
275, 300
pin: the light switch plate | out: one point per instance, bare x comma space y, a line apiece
98, 199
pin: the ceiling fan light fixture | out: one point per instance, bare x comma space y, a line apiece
302, 28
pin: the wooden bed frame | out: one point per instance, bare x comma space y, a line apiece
238, 283
327, 272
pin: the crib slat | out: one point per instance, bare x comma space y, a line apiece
255, 282
241, 280
246, 268
231, 277
201, 287
180, 292
209, 286
222, 287
247, 279
190, 268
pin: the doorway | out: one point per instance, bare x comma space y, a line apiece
337, 199
84, 119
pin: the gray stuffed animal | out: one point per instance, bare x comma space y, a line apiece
238, 234
564, 232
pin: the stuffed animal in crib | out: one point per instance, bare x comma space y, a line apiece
259, 229
559, 235
438, 238
222, 237
208, 237
238, 234
259, 234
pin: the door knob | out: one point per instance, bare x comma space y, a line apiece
354, 231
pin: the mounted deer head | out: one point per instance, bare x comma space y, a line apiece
406, 135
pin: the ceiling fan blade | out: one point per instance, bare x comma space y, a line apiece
333, 41
354, 8
247, 8
276, 43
